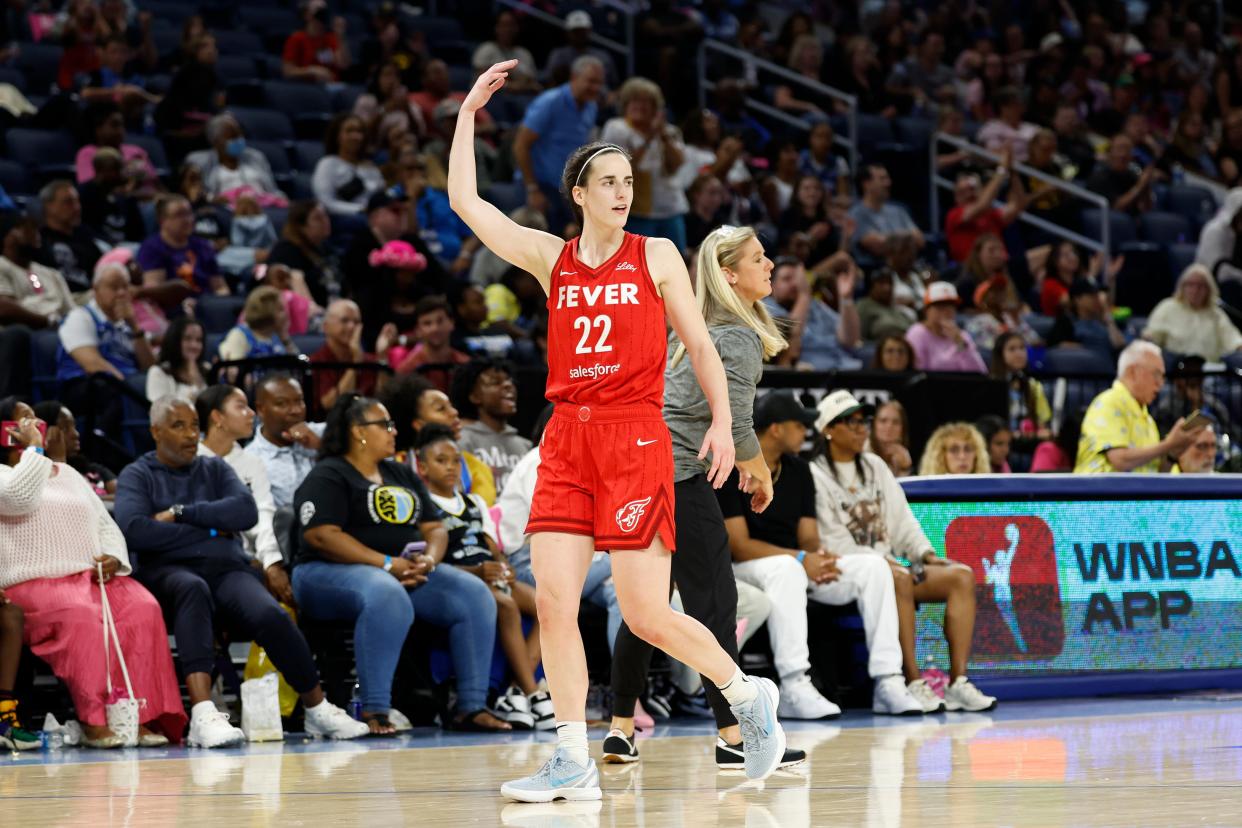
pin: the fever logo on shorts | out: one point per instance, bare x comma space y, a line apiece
393, 504
631, 513
1014, 561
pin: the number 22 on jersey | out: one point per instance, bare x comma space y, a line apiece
585, 323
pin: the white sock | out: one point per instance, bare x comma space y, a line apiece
571, 737
738, 690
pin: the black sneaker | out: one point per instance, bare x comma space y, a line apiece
620, 749
730, 757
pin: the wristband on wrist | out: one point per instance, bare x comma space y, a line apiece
36, 449
388, 563
801, 556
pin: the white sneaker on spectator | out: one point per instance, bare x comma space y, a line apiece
925, 696
331, 722
962, 695
513, 707
399, 720
891, 697
800, 700
541, 709
210, 728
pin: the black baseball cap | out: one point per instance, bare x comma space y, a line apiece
1189, 366
781, 407
387, 197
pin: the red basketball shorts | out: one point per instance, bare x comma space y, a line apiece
606, 473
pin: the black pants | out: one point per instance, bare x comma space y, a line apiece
703, 572
15, 366
191, 599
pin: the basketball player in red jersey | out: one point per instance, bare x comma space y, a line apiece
606, 469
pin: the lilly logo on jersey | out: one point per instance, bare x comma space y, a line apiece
632, 512
627, 266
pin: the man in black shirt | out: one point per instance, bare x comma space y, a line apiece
68, 246
1127, 190
780, 552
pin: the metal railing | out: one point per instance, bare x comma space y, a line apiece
1103, 246
849, 141
626, 50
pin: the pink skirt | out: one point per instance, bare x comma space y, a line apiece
64, 627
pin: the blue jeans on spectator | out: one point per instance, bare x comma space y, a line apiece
383, 611
672, 228
597, 588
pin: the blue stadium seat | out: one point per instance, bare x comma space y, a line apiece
211, 344
236, 68
278, 216
1195, 203
47, 152
277, 157
1121, 226
40, 64
461, 78
306, 154
1076, 361
873, 130
238, 43
308, 343
43, 349
345, 96
12, 76
1164, 228
915, 131
300, 186
155, 151
308, 105
1181, 256
1041, 324
270, 20
14, 179
1144, 278
435, 29
218, 313
173, 13
262, 125
507, 196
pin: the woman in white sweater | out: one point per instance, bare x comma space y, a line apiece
54, 532
1190, 322
862, 510
344, 178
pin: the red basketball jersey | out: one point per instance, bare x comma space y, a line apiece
606, 332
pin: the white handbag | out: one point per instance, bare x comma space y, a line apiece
122, 710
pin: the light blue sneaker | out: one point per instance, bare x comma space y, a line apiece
559, 778
763, 739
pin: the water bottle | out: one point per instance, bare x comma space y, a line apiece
52, 740
355, 703
936, 678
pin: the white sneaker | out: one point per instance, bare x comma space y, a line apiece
513, 707
331, 722
210, 728
926, 696
800, 700
399, 720
891, 697
541, 709
962, 695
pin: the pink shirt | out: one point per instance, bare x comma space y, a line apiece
129, 152
937, 353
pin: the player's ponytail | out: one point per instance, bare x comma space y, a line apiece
719, 302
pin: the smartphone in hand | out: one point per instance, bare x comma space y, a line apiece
413, 549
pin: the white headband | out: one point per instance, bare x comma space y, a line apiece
609, 148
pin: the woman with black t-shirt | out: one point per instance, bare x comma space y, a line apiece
361, 516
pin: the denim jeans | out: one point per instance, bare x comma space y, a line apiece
597, 588
382, 611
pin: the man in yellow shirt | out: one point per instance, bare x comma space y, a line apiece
1118, 433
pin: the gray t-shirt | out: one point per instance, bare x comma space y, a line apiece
685, 407
501, 451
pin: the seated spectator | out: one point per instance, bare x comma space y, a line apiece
777, 188
447, 236
471, 332
64, 445
344, 178
263, 331
1200, 456
1000, 311
181, 514
212, 221
820, 160
109, 208
1127, 189
79, 35
864, 78
1064, 266
708, 151
357, 561
342, 330
433, 356
436, 89
1087, 322
809, 212
911, 275
111, 80
181, 369
68, 246
147, 312
923, 77
987, 261
1191, 320
938, 343
890, 437
878, 316
820, 337
1218, 249
730, 98
974, 216
506, 46
578, 28
473, 548
955, 448
1029, 412
1118, 432
875, 217
387, 101
414, 403
806, 58
516, 304
1189, 148
231, 169
707, 196
227, 419
862, 515
1044, 200
176, 254
301, 249
486, 158
655, 147
105, 127
1188, 396
196, 91
893, 354
484, 393
1074, 140
316, 53
30, 293
1007, 131
285, 442
781, 552
1229, 155
999, 438
1057, 453
55, 540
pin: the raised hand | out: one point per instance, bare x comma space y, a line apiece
486, 85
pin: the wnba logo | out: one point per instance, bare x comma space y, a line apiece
632, 512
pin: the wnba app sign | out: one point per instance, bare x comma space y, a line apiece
1019, 596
